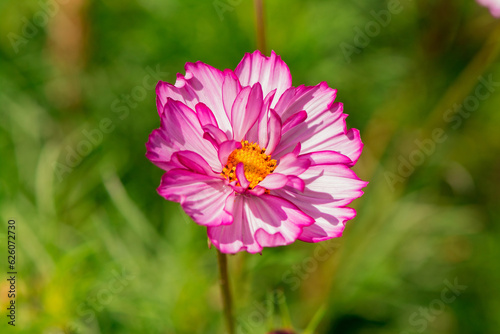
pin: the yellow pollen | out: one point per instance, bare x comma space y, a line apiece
257, 165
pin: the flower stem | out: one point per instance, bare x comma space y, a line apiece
259, 26
225, 291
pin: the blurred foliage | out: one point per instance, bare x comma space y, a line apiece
100, 252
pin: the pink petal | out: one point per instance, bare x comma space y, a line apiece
290, 164
165, 141
191, 161
294, 120
246, 110
274, 181
327, 228
274, 127
205, 115
296, 183
180, 131
271, 72
230, 89
329, 188
225, 150
240, 174
206, 199
297, 149
258, 133
313, 99
327, 158
202, 83
159, 149
265, 221
278, 181
179, 92
216, 135
325, 131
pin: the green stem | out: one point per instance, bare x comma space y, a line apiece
259, 26
225, 291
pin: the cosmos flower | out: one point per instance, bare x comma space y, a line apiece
257, 161
492, 5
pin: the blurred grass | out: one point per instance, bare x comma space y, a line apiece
104, 219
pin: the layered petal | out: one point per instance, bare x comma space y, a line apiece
291, 164
312, 99
226, 148
323, 131
259, 133
274, 130
230, 89
208, 200
202, 83
192, 162
328, 189
271, 72
264, 221
180, 131
246, 110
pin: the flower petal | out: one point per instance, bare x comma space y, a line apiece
278, 181
294, 120
230, 89
225, 150
258, 133
180, 131
291, 164
206, 199
240, 174
191, 161
202, 83
159, 149
265, 221
271, 72
274, 129
274, 181
179, 92
205, 115
325, 131
216, 136
329, 188
313, 99
246, 110
327, 158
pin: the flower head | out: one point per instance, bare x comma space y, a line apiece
257, 161
492, 5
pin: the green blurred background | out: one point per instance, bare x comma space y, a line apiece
98, 251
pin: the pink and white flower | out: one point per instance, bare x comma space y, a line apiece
492, 5
257, 161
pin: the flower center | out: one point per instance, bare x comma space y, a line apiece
257, 165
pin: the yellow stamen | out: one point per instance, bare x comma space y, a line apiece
257, 165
